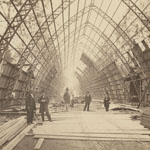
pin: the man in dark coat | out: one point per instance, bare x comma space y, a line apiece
106, 101
67, 98
88, 100
30, 107
44, 100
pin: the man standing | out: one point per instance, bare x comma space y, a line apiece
44, 100
30, 107
88, 100
72, 101
106, 101
67, 99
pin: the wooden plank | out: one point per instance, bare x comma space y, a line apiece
18, 131
6, 125
39, 144
8, 128
123, 132
123, 136
18, 138
12, 131
13, 113
92, 138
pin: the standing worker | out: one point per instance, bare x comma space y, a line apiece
67, 98
72, 101
44, 100
106, 101
30, 107
88, 100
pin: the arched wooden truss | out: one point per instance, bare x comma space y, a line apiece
41, 38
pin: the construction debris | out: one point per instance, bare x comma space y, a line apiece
125, 107
136, 117
145, 118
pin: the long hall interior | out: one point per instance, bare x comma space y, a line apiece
74, 74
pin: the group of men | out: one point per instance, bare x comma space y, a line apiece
44, 100
31, 106
67, 98
87, 100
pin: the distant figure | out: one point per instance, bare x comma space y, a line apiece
106, 101
44, 100
67, 98
88, 100
72, 102
30, 107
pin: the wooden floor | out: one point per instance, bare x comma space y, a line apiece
98, 125
78, 129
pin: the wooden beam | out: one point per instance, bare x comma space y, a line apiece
18, 138
39, 144
108, 138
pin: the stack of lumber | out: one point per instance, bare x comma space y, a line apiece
3, 120
123, 107
145, 118
10, 129
13, 109
13, 143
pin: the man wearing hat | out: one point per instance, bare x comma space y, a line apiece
44, 100
88, 100
67, 98
106, 101
30, 106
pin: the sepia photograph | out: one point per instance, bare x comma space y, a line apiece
74, 74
